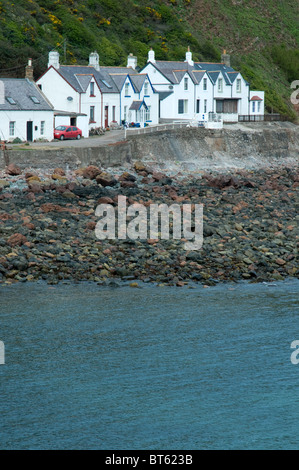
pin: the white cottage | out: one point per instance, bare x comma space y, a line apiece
192, 90
102, 94
25, 113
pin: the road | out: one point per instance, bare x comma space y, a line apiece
109, 137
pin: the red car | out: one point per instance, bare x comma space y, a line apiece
67, 132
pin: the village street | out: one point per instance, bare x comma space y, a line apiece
109, 137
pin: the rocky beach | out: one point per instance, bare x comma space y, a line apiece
47, 226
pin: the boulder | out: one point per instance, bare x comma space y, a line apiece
13, 170
91, 172
17, 239
105, 179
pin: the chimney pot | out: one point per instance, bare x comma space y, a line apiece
29, 71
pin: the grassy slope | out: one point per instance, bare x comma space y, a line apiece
261, 35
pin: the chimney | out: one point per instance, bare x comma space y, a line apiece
151, 56
132, 61
189, 57
225, 58
53, 59
94, 60
29, 71
2, 92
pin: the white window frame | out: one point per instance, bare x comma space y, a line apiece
220, 85
206, 106
186, 84
148, 114
127, 89
239, 85
42, 127
146, 88
205, 84
12, 128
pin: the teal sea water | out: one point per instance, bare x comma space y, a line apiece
150, 368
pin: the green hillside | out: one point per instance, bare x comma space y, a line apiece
261, 36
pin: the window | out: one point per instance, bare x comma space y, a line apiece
205, 84
239, 85
146, 88
113, 113
183, 106
106, 84
12, 128
186, 83
206, 106
35, 100
127, 89
125, 112
91, 115
259, 107
197, 106
148, 114
92, 89
253, 106
42, 127
10, 100
220, 85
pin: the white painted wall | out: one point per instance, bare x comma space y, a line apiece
20, 118
57, 90
258, 110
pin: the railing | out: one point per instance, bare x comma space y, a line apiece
262, 117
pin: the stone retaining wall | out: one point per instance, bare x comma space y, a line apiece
189, 146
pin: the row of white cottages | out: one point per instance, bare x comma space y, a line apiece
95, 96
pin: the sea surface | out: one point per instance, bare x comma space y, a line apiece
89, 367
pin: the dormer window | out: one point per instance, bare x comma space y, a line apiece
239, 85
205, 84
186, 83
146, 88
220, 85
127, 89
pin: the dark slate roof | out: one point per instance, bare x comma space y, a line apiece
84, 81
109, 79
136, 105
175, 71
164, 94
21, 90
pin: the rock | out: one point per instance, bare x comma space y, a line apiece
17, 240
91, 172
105, 179
4, 184
105, 200
139, 166
59, 171
13, 170
127, 177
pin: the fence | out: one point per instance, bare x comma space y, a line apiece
263, 117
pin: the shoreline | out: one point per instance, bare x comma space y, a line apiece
47, 226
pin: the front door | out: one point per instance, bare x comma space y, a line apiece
106, 116
29, 131
73, 121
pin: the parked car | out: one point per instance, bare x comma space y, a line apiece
67, 132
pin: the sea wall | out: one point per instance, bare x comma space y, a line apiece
238, 146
